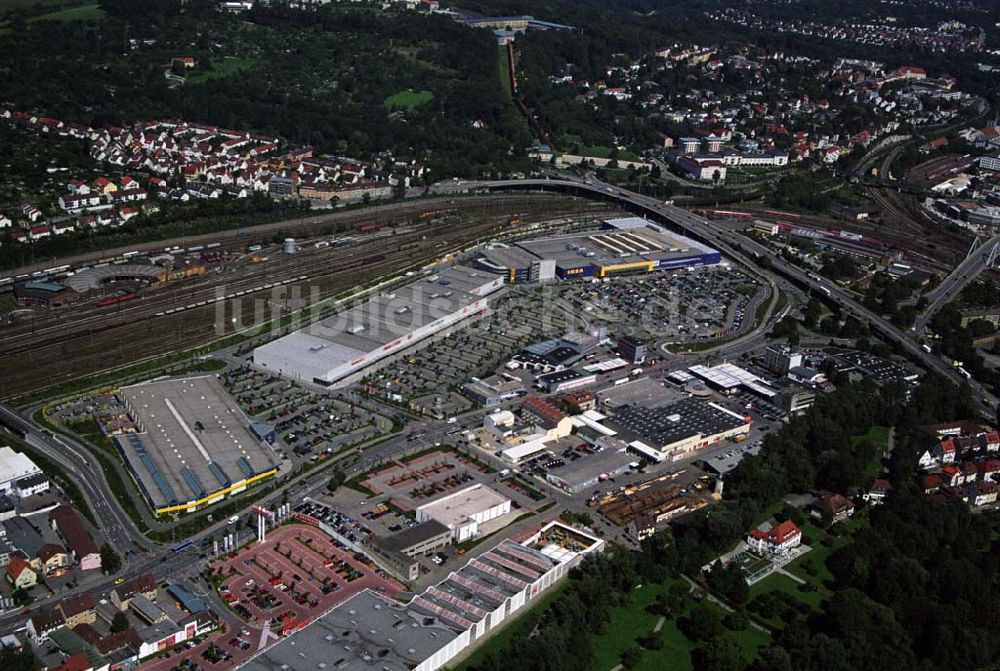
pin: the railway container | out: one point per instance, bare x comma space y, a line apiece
255, 248
196, 248
368, 228
114, 300
213, 245
779, 213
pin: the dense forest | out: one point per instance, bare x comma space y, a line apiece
312, 77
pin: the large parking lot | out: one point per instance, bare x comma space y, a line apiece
307, 422
394, 491
421, 378
413, 481
684, 305
219, 650
298, 573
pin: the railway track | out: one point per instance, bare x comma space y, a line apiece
311, 225
935, 248
195, 290
98, 339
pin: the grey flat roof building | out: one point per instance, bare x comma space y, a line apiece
195, 444
24, 536
366, 632
418, 539
672, 423
345, 343
589, 469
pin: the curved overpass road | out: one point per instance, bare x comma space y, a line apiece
967, 271
727, 242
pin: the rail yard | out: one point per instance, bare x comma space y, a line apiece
43, 348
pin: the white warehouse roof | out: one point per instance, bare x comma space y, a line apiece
344, 343
14, 465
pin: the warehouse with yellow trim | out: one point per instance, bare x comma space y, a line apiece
624, 246
193, 445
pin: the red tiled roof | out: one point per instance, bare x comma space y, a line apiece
78, 604
49, 550
16, 566
77, 662
140, 584
71, 529
931, 481
542, 410
778, 534
882, 486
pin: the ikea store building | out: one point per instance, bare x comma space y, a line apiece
629, 245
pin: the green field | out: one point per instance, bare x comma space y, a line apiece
13, 5
504, 70
220, 69
408, 100
82, 13
574, 144
779, 583
633, 621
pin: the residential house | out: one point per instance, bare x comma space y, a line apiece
51, 560
536, 411
878, 491
65, 520
980, 493
76, 662
127, 213
951, 475
39, 232
20, 574
78, 610
834, 508
926, 459
143, 584
104, 186
931, 483
32, 213
945, 451
777, 540
44, 622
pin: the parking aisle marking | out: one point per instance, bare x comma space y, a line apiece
265, 636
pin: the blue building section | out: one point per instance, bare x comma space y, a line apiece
193, 483
190, 601
519, 275
706, 259
575, 272
263, 432
219, 474
134, 443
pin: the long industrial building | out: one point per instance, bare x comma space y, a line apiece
674, 431
370, 631
627, 245
193, 446
346, 343
464, 511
